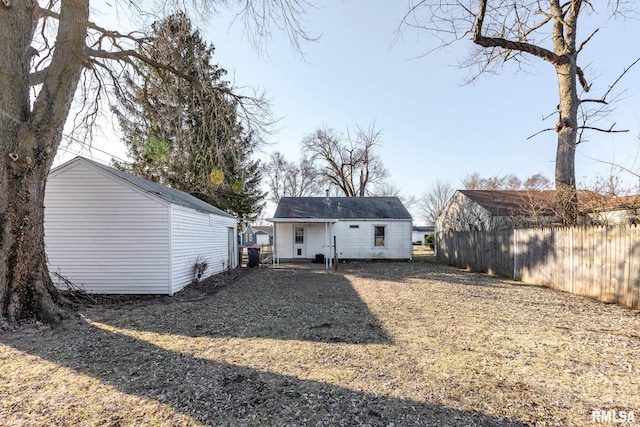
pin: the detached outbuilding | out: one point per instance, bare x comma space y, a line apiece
316, 228
115, 233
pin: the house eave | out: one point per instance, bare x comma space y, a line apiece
334, 220
305, 220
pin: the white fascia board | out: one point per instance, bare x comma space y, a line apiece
303, 220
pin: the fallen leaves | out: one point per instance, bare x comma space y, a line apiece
374, 344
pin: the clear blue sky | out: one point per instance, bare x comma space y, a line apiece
434, 126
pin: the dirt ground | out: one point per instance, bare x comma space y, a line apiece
373, 344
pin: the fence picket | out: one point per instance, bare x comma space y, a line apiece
597, 262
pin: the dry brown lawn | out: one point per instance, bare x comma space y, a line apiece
378, 344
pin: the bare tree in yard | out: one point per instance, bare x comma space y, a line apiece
433, 202
537, 182
290, 179
349, 163
475, 181
47, 53
513, 32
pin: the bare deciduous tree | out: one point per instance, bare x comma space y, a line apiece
47, 54
537, 182
290, 179
475, 181
433, 202
515, 32
348, 163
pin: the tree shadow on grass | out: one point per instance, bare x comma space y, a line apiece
402, 271
285, 304
208, 391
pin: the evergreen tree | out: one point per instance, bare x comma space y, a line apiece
184, 135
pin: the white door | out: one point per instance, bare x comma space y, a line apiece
298, 242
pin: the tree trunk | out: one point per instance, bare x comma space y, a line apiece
26, 289
566, 128
30, 133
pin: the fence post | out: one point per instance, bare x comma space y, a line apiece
515, 253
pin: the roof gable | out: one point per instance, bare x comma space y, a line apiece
268, 229
167, 194
341, 208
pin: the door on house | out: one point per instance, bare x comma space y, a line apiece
298, 242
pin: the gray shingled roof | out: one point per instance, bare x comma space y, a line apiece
165, 193
341, 208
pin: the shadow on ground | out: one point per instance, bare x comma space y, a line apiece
215, 393
286, 304
406, 270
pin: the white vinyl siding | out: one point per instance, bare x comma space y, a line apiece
359, 243
352, 242
315, 239
285, 240
262, 239
199, 234
104, 236
110, 236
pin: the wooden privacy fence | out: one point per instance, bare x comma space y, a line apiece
597, 262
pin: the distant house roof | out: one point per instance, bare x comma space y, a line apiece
423, 228
262, 228
341, 208
516, 202
626, 202
170, 195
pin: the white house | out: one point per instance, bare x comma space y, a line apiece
420, 232
349, 227
616, 211
115, 233
258, 235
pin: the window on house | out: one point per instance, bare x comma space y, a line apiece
298, 235
378, 235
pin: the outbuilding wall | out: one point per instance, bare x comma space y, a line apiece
107, 235
104, 236
204, 237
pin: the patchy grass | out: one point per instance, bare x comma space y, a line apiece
375, 344
423, 254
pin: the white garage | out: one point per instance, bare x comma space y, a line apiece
111, 232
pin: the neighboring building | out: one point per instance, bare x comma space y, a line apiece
115, 233
419, 233
361, 227
257, 235
470, 210
616, 211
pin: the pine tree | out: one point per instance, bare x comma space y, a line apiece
184, 135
